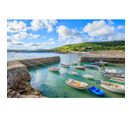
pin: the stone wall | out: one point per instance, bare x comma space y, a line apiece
107, 59
18, 81
18, 77
40, 61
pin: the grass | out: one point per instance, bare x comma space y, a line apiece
95, 46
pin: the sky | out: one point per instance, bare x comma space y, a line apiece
47, 34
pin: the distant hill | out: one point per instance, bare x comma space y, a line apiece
95, 46
30, 51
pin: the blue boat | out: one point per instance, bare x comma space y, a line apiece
96, 91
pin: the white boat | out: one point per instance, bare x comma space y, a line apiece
87, 76
65, 65
119, 75
100, 63
80, 67
117, 88
76, 84
117, 79
54, 69
73, 73
110, 71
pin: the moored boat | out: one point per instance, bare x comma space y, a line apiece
54, 69
87, 76
73, 73
100, 63
65, 65
96, 91
117, 88
76, 84
80, 67
117, 79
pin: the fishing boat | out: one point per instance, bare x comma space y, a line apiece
54, 69
73, 73
117, 88
76, 84
92, 66
80, 67
65, 65
96, 91
87, 76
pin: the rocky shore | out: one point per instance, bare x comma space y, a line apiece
18, 77
18, 81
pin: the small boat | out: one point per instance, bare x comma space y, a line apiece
54, 69
65, 65
117, 88
110, 71
96, 91
80, 67
73, 73
115, 74
100, 63
92, 66
87, 76
76, 84
117, 79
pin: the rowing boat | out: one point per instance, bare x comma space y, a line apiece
54, 69
76, 84
113, 87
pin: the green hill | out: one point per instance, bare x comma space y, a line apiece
95, 46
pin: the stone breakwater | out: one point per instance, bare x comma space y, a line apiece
107, 59
40, 61
18, 77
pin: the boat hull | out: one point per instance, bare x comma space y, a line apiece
113, 89
75, 86
96, 91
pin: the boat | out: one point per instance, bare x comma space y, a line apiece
87, 76
73, 73
80, 67
113, 87
76, 84
65, 65
100, 63
110, 71
96, 91
115, 74
92, 66
117, 79
54, 69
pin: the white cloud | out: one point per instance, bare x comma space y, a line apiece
98, 28
16, 26
33, 36
22, 35
67, 33
33, 44
51, 39
121, 28
117, 36
15, 43
43, 24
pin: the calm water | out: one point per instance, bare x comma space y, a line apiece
53, 84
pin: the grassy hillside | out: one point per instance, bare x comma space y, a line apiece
95, 46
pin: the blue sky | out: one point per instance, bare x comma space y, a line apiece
46, 34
